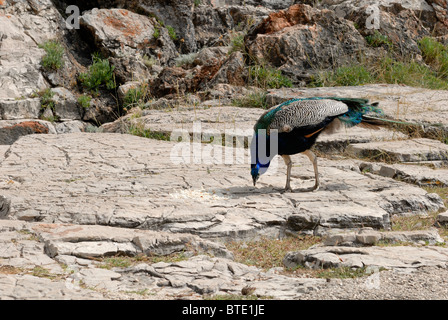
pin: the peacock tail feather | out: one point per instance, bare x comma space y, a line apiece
309, 111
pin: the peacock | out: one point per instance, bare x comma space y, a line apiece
298, 123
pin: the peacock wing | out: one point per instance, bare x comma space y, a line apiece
305, 113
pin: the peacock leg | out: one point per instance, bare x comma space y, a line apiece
313, 159
288, 163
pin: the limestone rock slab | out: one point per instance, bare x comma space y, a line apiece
381, 257
413, 150
93, 241
126, 181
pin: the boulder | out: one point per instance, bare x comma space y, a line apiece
9, 134
302, 39
233, 71
24, 26
126, 37
65, 105
27, 108
177, 14
442, 218
401, 21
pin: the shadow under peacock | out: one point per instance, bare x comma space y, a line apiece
293, 127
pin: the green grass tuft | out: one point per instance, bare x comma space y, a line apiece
171, 32
268, 253
136, 97
378, 40
386, 70
84, 101
252, 100
266, 77
52, 60
435, 54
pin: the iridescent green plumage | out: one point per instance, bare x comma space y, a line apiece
300, 121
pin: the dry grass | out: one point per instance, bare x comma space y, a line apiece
268, 253
120, 261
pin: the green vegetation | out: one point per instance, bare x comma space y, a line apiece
100, 73
342, 273
378, 40
268, 253
171, 32
136, 96
156, 33
435, 54
185, 59
237, 41
46, 99
138, 129
343, 76
197, 3
52, 60
149, 61
392, 69
252, 100
84, 101
387, 70
266, 77
120, 261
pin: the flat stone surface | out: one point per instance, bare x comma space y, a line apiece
30, 270
381, 257
413, 150
422, 174
368, 236
131, 182
94, 241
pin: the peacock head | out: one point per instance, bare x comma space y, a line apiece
260, 156
255, 172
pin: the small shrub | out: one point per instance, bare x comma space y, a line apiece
268, 253
342, 273
172, 32
84, 101
378, 40
185, 59
52, 60
138, 129
237, 41
149, 61
136, 96
156, 33
46, 99
100, 73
